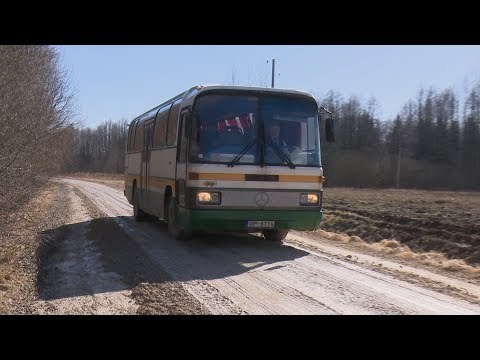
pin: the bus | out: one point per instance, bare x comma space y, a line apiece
210, 158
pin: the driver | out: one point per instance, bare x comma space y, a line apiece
274, 134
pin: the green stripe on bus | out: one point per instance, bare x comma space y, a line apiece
235, 220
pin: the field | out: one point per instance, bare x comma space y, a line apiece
447, 222
443, 221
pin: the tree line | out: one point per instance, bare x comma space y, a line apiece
433, 143
36, 121
101, 149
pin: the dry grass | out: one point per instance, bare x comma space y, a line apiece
395, 249
446, 222
19, 241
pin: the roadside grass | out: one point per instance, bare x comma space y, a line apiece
396, 249
20, 239
447, 222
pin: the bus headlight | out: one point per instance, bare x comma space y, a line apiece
205, 197
309, 199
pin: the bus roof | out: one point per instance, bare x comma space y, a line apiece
190, 94
202, 88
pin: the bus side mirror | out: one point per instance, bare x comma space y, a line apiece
329, 125
329, 130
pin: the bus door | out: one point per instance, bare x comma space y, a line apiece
146, 164
181, 171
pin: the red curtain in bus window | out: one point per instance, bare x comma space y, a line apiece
242, 122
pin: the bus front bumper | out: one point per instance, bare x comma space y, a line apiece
237, 220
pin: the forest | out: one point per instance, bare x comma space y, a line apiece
433, 143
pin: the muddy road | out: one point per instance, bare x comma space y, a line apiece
107, 263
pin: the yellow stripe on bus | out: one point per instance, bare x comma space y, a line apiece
216, 176
154, 181
160, 183
301, 178
241, 177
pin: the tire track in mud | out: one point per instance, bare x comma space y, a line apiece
73, 278
97, 269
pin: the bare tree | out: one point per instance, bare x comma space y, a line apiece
36, 120
259, 77
249, 77
262, 75
233, 75
101, 149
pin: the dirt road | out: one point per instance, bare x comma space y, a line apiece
126, 266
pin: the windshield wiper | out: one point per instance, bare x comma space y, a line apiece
280, 153
247, 147
237, 158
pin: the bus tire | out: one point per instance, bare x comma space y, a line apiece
275, 234
138, 214
175, 231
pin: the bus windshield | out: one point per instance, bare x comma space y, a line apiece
239, 127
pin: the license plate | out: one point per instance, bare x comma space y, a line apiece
260, 224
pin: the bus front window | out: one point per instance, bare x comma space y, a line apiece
291, 125
227, 130
226, 124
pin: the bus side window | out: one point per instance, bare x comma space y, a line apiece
138, 144
129, 138
160, 136
173, 123
132, 136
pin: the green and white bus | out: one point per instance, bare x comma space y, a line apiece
230, 158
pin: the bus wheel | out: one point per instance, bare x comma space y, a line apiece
275, 234
138, 214
175, 231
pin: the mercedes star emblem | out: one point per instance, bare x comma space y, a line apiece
261, 199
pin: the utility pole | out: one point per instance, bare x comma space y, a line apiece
273, 73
